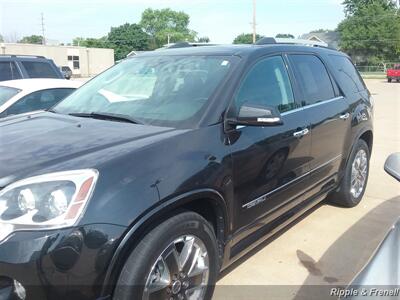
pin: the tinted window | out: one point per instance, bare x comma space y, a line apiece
313, 78
39, 70
9, 71
6, 93
39, 100
160, 90
348, 75
267, 84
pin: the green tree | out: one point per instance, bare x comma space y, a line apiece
32, 39
351, 7
246, 38
91, 42
371, 30
285, 35
166, 24
125, 38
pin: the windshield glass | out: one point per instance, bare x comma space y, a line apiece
164, 90
6, 93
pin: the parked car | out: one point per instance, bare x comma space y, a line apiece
26, 95
24, 66
66, 71
383, 267
393, 74
162, 171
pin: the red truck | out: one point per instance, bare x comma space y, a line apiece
393, 74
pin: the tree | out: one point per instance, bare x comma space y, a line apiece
285, 36
125, 38
165, 25
351, 7
32, 39
204, 39
371, 30
91, 42
246, 38
321, 30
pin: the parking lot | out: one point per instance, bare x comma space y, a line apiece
331, 244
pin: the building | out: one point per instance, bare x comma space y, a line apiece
84, 62
329, 37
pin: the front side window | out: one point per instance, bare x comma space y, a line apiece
6, 93
39, 69
40, 100
313, 78
159, 90
267, 84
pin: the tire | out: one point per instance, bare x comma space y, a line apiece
389, 80
144, 259
347, 195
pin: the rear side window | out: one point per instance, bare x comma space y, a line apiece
40, 100
39, 69
313, 78
348, 75
267, 84
8, 71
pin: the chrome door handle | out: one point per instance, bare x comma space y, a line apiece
345, 116
301, 133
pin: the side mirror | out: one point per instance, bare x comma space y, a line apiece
254, 115
392, 165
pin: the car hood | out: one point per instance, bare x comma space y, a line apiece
30, 144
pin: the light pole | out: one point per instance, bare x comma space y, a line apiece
254, 22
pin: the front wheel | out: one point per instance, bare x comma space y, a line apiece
176, 260
354, 181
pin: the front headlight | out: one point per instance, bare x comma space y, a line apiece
49, 201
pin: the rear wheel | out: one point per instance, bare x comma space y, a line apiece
389, 79
176, 260
355, 179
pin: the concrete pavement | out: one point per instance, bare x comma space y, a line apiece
330, 245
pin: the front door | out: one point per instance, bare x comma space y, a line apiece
270, 164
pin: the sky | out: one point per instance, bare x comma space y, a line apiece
220, 20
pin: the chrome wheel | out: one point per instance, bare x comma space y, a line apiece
180, 272
359, 172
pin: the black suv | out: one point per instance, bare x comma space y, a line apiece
25, 66
153, 177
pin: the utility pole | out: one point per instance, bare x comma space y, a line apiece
254, 23
43, 35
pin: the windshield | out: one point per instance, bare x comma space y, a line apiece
163, 90
6, 93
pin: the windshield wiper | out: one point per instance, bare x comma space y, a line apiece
106, 116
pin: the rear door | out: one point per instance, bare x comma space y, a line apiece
270, 164
329, 114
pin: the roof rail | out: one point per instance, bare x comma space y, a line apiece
184, 45
270, 40
22, 55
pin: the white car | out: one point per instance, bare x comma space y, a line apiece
25, 95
